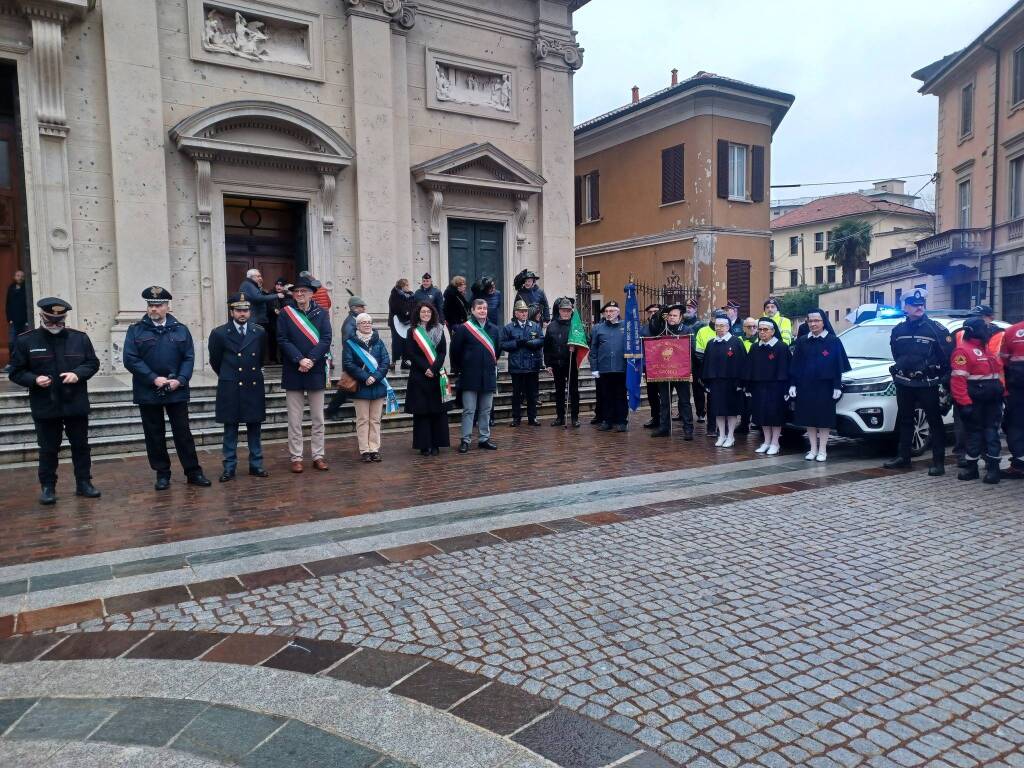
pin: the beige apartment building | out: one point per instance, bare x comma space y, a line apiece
978, 249
181, 142
801, 237
674, 186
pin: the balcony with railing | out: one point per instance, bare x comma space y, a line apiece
946, 249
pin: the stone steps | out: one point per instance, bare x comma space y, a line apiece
114, 426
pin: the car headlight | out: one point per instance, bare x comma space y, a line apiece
876, 386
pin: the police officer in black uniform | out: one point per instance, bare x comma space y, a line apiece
236, 355
158, 351
921, 349
55, 362
669, 322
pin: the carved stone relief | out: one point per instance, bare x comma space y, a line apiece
547, 49
254, 34
466, 86
457, 83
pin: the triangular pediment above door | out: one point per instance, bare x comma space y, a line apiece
480, 168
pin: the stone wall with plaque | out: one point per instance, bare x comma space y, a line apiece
470, 86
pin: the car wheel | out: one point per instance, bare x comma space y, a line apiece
922, 439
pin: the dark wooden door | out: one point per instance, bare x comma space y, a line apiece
737, 284
268, 235
476, 248
10, 217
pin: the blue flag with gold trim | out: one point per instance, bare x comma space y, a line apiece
634, 352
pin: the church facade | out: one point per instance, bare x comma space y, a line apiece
181, 142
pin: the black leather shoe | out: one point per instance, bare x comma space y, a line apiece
225, 477
258, 472
605, 427
558, 423
87, 489
661, 433
47, 495
162, 483
514, 423
621, 427
688, 436
200, 480
487, 445
464, 446
375, 457
936, 470
534, 423
897, 463
435, 451
651, 424
424, 451
969, 472
576, 423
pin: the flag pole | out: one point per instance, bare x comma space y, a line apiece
568, 389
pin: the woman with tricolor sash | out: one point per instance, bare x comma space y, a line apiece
428, 388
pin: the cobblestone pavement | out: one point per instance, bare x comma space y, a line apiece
882, 624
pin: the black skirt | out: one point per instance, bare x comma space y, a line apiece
814, 404
725, 400
430, 430
768, 404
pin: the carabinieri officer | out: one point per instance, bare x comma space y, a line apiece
236, 355
158, 351
55, 363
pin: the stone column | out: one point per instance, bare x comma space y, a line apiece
403, 180
132, 51
557, 56
54, 266
379, 195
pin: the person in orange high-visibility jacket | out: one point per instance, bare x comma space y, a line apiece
977, 388
1011, 354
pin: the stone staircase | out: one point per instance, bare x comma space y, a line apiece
115, 428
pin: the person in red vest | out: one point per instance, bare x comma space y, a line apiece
977, 388
1011, 354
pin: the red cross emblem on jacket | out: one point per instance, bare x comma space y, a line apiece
974, 366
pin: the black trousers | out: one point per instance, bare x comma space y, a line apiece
397, 348
1015, 425
337, 400
430, 430
682, 390
981, 430
699, 393
562, 374
612, 389
654, 399
908, 399
525, 386
48, 436
156, 438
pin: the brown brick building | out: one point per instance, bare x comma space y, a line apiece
677, 183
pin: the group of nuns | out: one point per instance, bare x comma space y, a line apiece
810, 375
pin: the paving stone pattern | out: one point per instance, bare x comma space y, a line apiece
224, 734
885, 627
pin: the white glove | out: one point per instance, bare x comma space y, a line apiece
792, 392
836, 394
596, 374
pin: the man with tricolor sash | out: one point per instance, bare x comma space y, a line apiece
475, 354
304, 338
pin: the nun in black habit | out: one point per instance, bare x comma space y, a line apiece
816, 381
767, 377
722, 373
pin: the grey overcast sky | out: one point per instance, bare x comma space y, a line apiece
857, 113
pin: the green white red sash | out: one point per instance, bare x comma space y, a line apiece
480, 335
423, 341
307, 329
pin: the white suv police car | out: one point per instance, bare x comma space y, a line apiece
868, 405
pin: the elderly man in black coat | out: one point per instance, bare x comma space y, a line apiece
475, 353
236, 355
54, 363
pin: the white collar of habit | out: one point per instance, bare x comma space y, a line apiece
821, 335
770, 343
723, 338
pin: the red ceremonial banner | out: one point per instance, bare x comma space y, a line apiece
667, 358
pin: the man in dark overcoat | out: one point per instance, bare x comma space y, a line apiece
236, 355
55, 362
159, 353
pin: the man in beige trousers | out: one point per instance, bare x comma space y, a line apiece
304, 340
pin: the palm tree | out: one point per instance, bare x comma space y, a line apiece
848, 246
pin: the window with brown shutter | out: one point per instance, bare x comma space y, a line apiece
672, 174
757, 174
722, 168
579, 199
594, 189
